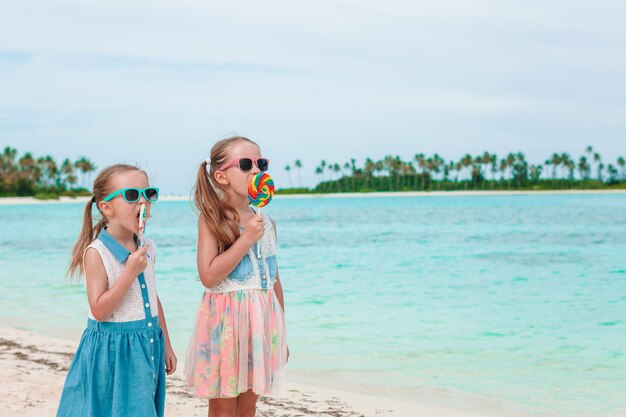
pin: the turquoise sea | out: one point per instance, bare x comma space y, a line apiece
514, 300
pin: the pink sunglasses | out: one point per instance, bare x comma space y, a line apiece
245, 164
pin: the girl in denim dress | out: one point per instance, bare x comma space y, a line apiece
120, 364
238, 348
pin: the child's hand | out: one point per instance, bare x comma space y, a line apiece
170, 360
138, 261
254, 229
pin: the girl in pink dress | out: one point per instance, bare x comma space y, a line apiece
238, 348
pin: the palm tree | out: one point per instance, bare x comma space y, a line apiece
447, 169
319, 171
337, 170
589, 152
571, 166
509, 162
535, 172
613, 178
493, 160
388, 165
568, 165
419, 158
477, 170
466, 162
30, 169
67, 170
520, 169
354, 173
484, 161
583, 168
49, 169
329, 168
348, 172
555, 161
599, 165
368, 170
622, 163
298, 165
85, 166
7, 162
503, 167
288, 169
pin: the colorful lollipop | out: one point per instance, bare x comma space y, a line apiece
261, 190
142, 223
260, 193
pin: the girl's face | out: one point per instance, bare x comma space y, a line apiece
117, 210
233, 179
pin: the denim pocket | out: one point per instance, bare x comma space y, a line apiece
243, 270
271, 265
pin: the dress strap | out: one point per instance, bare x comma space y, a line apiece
145, 298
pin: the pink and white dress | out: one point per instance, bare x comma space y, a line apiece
239, 339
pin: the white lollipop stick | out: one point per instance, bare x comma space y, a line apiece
142, 223
258, 242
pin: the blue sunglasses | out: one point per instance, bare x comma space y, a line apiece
132, 195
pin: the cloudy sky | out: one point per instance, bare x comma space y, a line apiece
156, 83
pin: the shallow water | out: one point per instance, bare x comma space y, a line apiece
519, 298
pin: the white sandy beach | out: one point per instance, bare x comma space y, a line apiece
33, 368
66, 200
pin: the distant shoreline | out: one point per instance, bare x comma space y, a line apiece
69, 200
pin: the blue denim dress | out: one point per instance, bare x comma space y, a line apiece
119, 367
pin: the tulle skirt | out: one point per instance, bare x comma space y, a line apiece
238, 344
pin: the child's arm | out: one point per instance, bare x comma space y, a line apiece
103, 300
278, 286
170, 357
214, 267
278, 289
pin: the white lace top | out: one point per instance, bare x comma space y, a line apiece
254, 271
131, 307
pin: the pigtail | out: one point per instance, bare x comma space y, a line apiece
222, 219
85, 237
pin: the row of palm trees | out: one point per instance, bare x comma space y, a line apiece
30, 175
486, 171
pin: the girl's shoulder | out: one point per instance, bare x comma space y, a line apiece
97, 248
97, 245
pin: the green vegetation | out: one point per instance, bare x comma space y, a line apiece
474, 173
42, 177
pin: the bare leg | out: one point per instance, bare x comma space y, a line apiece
246, 404
222, 407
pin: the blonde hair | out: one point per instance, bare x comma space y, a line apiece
101, 188
213, 207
